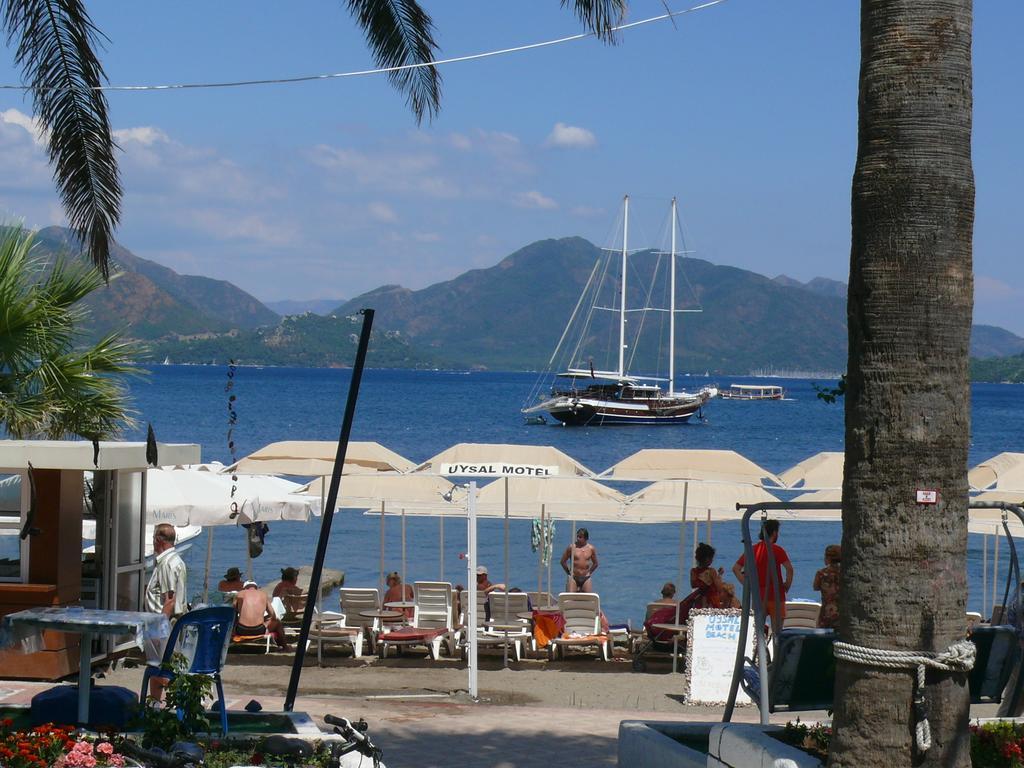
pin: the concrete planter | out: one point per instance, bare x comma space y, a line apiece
741, 745
728, 745
656, 745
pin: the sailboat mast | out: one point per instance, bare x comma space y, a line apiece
622, 297
672, 308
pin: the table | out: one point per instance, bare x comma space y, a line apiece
400, 604
679, 630
378, 617
27, 626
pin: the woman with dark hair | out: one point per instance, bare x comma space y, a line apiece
708, 580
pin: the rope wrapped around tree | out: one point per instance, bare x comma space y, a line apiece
959, 657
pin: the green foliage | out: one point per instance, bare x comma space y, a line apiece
56, 49
831, 394
50, 388
813, 739
301, 340
224, 754
999, 369
161, 726
998, 744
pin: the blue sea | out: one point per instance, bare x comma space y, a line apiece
420, 413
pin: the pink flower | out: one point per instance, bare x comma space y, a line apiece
116, 760
105, 748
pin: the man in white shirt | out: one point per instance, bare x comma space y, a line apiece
165, 594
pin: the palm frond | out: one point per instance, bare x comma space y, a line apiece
599, 16
399, 32
56, 43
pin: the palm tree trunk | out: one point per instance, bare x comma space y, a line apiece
907, 399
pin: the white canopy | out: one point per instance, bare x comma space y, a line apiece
822, 470
414, 494
1002, 472
563, 498
315, 458
662, 502
477, 454
826, 495
192, 497
690, 464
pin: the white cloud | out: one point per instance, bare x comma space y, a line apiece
426, 237
461, 141
146, 135
399, 171
382, 212
570, 136
30, 124
534, 199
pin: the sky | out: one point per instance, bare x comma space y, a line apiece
745, 111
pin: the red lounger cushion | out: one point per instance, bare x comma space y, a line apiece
411, 635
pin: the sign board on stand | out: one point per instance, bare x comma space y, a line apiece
711, 639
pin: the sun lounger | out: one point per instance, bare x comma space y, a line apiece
328, 628
355, 600
542, 599
432, 621
801, 615
504, 608
582, 614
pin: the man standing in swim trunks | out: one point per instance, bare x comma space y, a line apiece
584, 563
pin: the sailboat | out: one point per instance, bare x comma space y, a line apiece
584, 396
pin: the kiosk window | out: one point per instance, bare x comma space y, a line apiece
11, 545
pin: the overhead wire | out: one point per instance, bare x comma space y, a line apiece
388, 70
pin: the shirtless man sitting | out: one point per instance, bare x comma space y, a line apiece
254, 615
584, 563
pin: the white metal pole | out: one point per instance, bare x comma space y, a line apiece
383, 584
984, 576
709, 526
995, 573
471, 643
672, 308
441, 519
622, 296
402, 598
572, 556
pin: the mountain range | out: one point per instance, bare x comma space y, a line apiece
508, 316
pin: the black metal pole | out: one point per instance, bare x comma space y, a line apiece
328, 512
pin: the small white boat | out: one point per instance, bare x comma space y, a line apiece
753, 392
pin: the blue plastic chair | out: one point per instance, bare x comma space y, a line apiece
207, 632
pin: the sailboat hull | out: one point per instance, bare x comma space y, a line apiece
593, 412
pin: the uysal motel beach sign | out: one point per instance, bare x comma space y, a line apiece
497, 469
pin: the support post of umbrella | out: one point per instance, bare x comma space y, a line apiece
209, 563
470, 592
679, 586
404, 582
541, 550
506, 546
441, 553
328, 512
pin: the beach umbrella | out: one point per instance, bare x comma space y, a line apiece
690, 464
399, 494
824, 514
822, 470
315, 458
190, 497
549, 498
490, 459
1003, 472
669, 501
